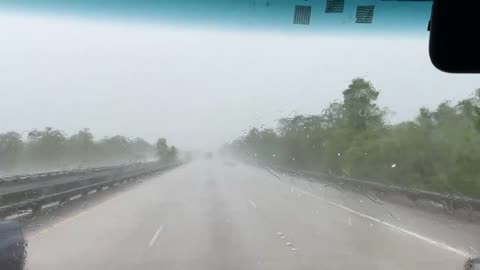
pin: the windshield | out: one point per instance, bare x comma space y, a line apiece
132, 142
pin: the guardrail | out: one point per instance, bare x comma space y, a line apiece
449, 202
31, 192
49, 175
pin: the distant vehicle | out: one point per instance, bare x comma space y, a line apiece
208, 155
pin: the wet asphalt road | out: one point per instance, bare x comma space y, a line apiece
215, 215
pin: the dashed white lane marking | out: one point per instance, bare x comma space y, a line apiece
155, 236
394, 227
289, 244
253, 204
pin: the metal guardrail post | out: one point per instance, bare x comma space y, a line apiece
450, 202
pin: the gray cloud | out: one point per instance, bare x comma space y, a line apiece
197, 88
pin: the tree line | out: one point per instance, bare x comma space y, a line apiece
52, 148
438, 150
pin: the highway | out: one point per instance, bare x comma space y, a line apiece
212, 215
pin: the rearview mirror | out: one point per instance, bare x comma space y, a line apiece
453, 36
12, 246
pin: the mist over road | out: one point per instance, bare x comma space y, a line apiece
212, 214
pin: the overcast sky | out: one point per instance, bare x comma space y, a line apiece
197, 88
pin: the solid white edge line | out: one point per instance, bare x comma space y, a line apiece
394, 227
253, 204
155, 236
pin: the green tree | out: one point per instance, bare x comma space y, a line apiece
81, 147
162, 148
51, 149
141, 149
11, 147
172, 154
116, 148
164, 152
438, 150
47, 147
359, 108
